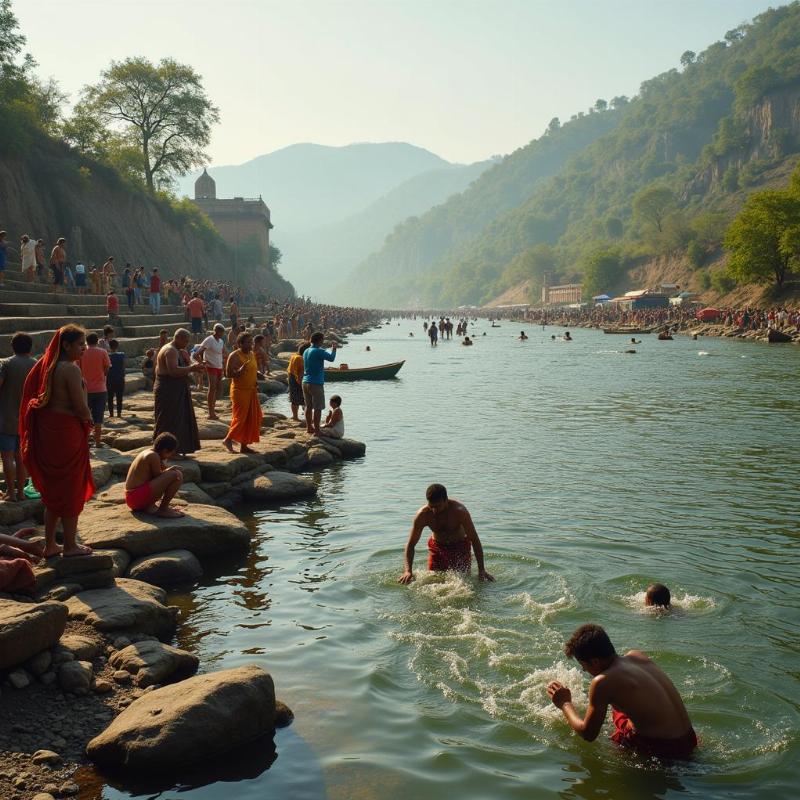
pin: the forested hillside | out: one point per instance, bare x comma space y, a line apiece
663, 175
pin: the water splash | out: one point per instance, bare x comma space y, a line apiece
680, 602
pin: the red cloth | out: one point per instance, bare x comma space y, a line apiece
139, 498
457, 556
16, 575
155, 284
54, 445
626, 735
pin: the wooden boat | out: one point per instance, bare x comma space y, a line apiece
627, 330
381, 372
773, 336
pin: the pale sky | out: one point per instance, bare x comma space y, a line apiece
463, 78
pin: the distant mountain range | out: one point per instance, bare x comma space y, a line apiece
333, 206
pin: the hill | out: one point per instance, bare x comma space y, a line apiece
308, 186
317, 259
662, 180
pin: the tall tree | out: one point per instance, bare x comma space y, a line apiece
764, 239
688, 57
653, 204
161, 108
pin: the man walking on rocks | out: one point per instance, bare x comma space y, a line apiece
212, 353
172, 395
155, 291
314, 360
246, 414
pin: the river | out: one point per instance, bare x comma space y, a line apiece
589, 473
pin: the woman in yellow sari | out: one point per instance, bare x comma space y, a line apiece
242, 370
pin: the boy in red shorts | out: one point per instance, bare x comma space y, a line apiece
150, 480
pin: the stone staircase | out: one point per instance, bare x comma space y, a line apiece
36, 309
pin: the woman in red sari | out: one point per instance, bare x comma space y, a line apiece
54, 425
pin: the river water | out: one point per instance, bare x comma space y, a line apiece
589, 473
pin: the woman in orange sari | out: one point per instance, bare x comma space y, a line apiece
242, 369
54, 424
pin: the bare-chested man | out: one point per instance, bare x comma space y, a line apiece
150, 479
647, 710
454, 535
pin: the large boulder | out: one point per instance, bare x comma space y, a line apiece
153, 662
205, 530
130, 606
277, 486
207, 716
170, 568
28, 628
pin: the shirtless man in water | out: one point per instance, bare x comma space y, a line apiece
453, 535
647, 710
150, 480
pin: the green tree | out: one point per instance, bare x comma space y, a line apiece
613, 227
554, 125
688, 57
620, 101
275, 255
601, 271
162, 107
764, 238
652, 205
600, 105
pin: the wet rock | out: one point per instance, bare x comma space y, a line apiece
74, 676
349, 448
211, 714
276, 486
28, 628
319, 457
171, 568
205, 530
49, 678
129, 606
283, 714
152, 662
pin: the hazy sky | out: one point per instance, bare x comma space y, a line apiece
463, 78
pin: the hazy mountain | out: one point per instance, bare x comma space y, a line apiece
308, 186
319, 259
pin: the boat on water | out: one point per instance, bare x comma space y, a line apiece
381, 372
627, 330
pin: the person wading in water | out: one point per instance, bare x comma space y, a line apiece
454, 535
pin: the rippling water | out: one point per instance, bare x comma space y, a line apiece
589, 473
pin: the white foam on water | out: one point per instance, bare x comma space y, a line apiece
444, 587
540, 610
684, 602
703, 353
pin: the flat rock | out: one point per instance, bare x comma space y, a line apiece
14, 513
205, 530
28, 628
276, 486
349, 448
192, 493
153, 662
211, 714
129, 606
74, 565
212, 429
101, 471
170, 568
220, 465
134, 440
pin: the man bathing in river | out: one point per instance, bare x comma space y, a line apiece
454, 535
150, 480
647, 710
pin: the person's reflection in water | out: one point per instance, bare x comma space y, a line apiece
593, 777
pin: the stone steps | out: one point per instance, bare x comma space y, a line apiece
13, 324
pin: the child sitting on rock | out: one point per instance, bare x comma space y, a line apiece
150, 480
16, 556
334, 422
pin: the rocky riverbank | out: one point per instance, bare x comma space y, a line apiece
87, 668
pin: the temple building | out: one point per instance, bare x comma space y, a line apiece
242, 222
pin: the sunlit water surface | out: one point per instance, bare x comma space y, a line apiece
589, 473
